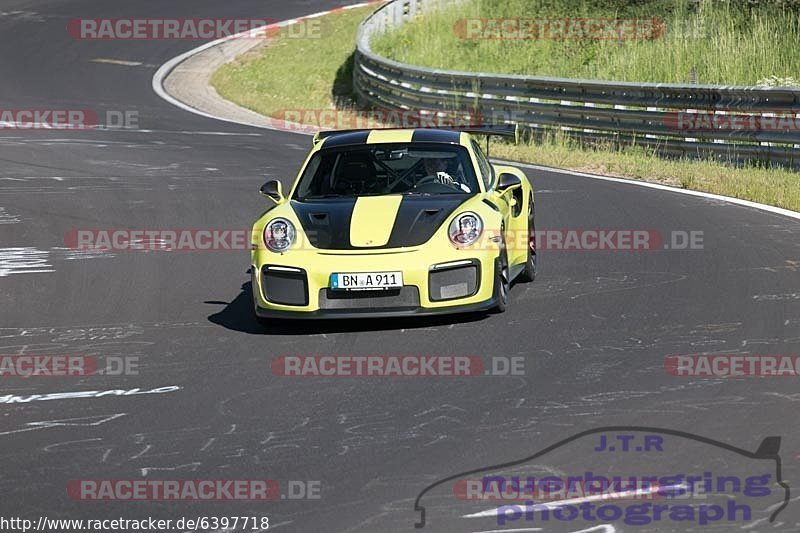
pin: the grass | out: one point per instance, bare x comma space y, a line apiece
767, 185
716, 41
314, 74
296, 73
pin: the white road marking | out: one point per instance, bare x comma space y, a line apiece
24, 261
776, 297
8, 218
10, 398
82, 421
215, 133
122, 62
24, 16
69, 254
35, 125
192, 466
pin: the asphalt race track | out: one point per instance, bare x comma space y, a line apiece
594, 328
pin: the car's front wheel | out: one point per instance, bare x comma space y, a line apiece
529, 272
502, 280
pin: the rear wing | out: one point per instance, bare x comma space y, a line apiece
503, 130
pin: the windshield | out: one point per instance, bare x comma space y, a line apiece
379, 169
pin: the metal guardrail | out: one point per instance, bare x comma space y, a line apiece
660, 116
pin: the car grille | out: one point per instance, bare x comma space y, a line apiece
403, 298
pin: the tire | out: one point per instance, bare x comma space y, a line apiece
529, 273
502, 280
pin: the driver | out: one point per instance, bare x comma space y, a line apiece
436, 170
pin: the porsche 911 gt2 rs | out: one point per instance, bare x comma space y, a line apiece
393, 222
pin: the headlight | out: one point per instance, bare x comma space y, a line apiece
279, 235
465, 229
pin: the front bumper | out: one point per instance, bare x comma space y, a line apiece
376, 312
304, 292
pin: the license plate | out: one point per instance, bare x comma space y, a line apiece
366, 281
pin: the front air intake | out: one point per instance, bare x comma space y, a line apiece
452, 282
284, 285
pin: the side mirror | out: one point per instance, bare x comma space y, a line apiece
507, 181
272, 190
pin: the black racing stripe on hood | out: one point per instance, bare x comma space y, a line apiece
326, 223
436, 136
420, 216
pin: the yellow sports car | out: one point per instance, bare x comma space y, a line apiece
394, 222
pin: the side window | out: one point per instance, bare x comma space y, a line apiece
483, 165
